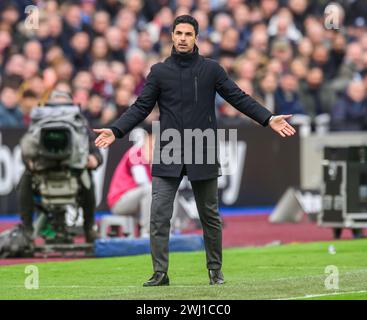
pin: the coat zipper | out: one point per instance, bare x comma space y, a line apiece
196, 89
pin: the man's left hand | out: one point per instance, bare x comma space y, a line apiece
280, 125
92, 162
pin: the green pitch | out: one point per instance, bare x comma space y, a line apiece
292, 271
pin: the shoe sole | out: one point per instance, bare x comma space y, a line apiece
157, 285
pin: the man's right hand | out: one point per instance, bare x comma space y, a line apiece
105, 138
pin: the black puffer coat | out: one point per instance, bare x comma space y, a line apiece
184, 85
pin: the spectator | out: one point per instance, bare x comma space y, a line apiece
268, 8
350, 111
228, 44
321, 58
287, 99
100, 23
281, 27
99, 50
55, 30
88, 7
136, 67
151, 8
31, 68
241, 18
259, 39
145, 43
128, 83
351, 67
79, 51
64, 69
9, 15
28, 102
130, 189
365, 80
299, 68
275, 66
204, 27
81, 97
221, 23
227, 61
73, 23
245, 69
33, 51
115, 71
337, 52
36, 85
116, 43
54, 55
83, 80
315, 31
300, 10
10, 114
305, 48
123, 99
229, 116
316, 95
206, 48
126, 22
5, 41
283, 51
94, 111
112, 7
135, 7
266, 91
101, 86
63, 86
15, 65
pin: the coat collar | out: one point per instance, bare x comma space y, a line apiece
186, 59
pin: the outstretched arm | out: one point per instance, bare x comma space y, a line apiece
243, 102
135, 114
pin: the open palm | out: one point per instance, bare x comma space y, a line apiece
105, 138
281, 126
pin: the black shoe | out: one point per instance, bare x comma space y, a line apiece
216, 277
158, 279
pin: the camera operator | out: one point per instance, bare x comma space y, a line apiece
86, 195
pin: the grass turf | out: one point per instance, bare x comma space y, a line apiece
295, 271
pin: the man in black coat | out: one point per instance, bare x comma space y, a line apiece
184, 86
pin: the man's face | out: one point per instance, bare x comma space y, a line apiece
9, 98
184, 37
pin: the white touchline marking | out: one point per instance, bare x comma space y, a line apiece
322, 295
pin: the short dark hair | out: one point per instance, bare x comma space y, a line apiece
186, 19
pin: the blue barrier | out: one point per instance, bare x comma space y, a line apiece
116, 247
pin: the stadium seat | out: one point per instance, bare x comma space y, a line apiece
127, 224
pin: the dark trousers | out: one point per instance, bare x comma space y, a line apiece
25, 194
206, 196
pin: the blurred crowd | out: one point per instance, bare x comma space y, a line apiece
279, 51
